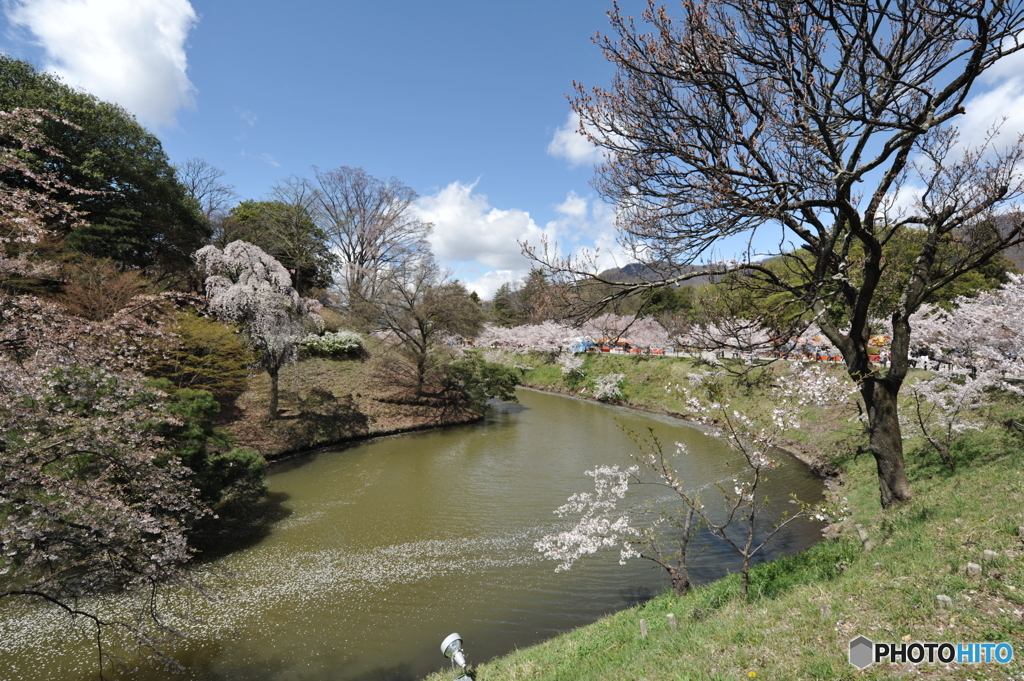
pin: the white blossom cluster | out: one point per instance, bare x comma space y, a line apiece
608, 387
598, 526
951, 397
570, 363
835, 511
334, 342
813, 384
247, 286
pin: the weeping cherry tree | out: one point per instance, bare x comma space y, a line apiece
248, 287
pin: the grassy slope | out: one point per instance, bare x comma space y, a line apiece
887, 594
647, 377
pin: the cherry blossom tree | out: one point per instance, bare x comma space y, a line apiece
572, 367
980, 333
981, 340
639, 332
250, 288
93, 498
942, 406
28, 209
831, 127
547, 336
608, 388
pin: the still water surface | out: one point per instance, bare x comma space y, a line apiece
389, 546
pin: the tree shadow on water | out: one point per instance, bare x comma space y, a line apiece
240, 527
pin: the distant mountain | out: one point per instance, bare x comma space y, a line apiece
1014, 254
638, 272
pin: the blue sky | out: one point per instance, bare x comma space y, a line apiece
464, 101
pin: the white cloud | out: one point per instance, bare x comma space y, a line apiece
998, 99
481, 242
574, 206
131, 52
486, 284
569, 144
265, 157
468, 229
587, 228
1003, 105
248, 116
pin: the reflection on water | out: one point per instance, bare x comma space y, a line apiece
372, 554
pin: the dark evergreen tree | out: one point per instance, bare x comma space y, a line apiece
140, 215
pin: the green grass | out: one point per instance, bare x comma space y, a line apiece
887, 594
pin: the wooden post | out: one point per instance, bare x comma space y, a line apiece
864, 538
672, 624
643, 628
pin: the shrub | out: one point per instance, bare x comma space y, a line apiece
208, 355
479, 380
333, 344
333, 319
606, 388
96, 289
572, 368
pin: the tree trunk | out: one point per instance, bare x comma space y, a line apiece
885, 439
273, 393
680, 578
421, 372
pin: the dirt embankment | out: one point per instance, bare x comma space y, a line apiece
325, 403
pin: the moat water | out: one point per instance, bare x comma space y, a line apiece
386, 547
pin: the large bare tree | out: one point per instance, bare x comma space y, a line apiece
831, 122
203, 183
283, 227
419, 307
370, 225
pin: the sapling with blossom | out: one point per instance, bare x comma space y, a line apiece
942, 405
603, 524
607, 388
572, 367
